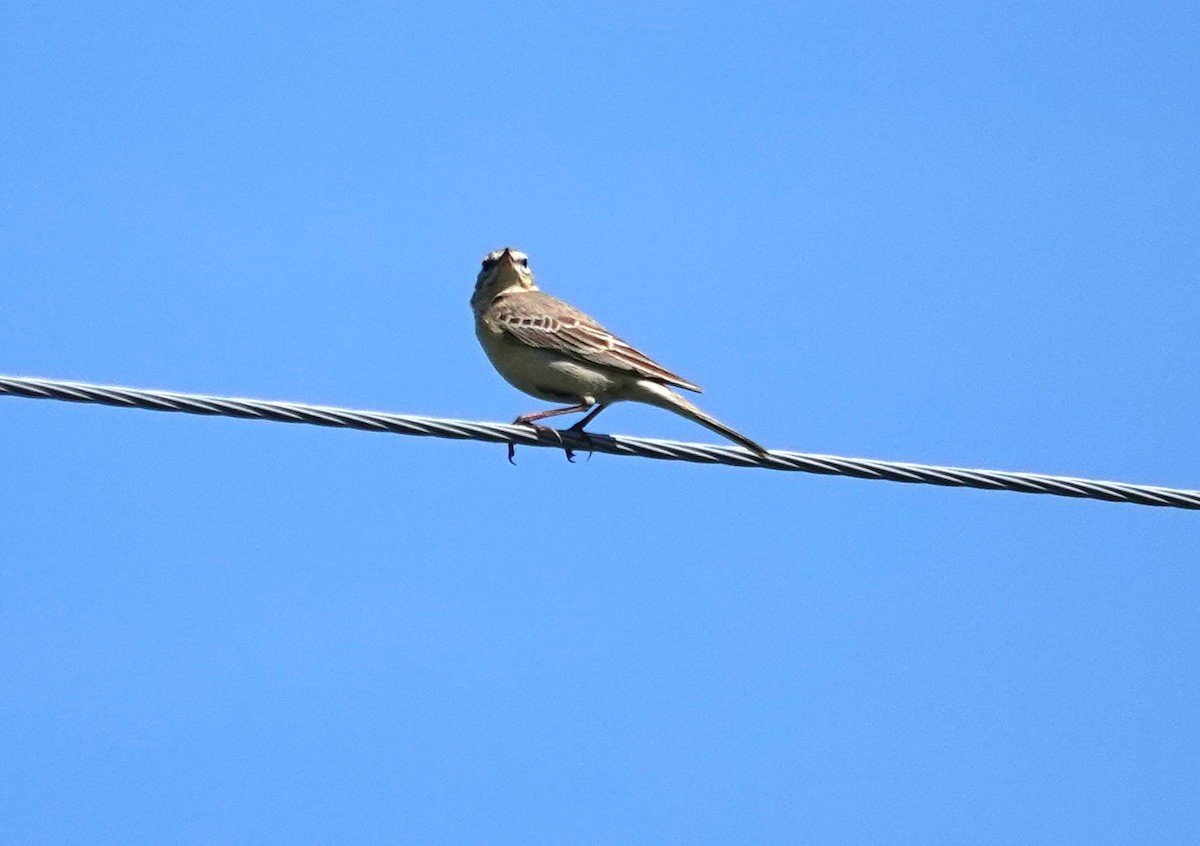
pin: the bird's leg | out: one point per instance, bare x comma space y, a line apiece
528, 420
578, 427
587, 418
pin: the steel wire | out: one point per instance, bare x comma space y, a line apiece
408, 424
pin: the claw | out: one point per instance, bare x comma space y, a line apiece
570, 452
541, 431
545, 431
527, 420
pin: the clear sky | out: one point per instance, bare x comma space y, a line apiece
947, 233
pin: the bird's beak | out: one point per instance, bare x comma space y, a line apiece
507, 256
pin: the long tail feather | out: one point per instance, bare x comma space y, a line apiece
664, 397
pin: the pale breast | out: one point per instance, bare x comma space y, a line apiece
545, 374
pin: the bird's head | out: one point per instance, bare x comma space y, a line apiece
502, 270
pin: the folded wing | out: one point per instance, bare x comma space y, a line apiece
544, 322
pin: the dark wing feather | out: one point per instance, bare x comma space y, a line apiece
544, 322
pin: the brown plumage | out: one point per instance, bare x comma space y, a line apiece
544, 322
555, 352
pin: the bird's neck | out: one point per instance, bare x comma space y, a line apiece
489, 295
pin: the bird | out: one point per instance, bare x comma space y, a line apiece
555, 352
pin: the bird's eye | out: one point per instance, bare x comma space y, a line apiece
488, 263
524, 262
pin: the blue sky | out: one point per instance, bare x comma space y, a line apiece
942, 233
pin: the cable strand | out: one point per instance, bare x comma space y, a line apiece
407, 424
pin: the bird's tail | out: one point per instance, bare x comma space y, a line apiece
664, 397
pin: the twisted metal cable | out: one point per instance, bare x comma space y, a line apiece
407, 424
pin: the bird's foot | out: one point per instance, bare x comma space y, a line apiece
543, 431
577, 429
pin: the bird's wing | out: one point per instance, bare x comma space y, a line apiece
544, 322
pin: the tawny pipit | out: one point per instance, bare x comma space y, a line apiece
546, 348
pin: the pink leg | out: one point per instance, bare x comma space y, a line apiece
578, 427
528, 420
554, 412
